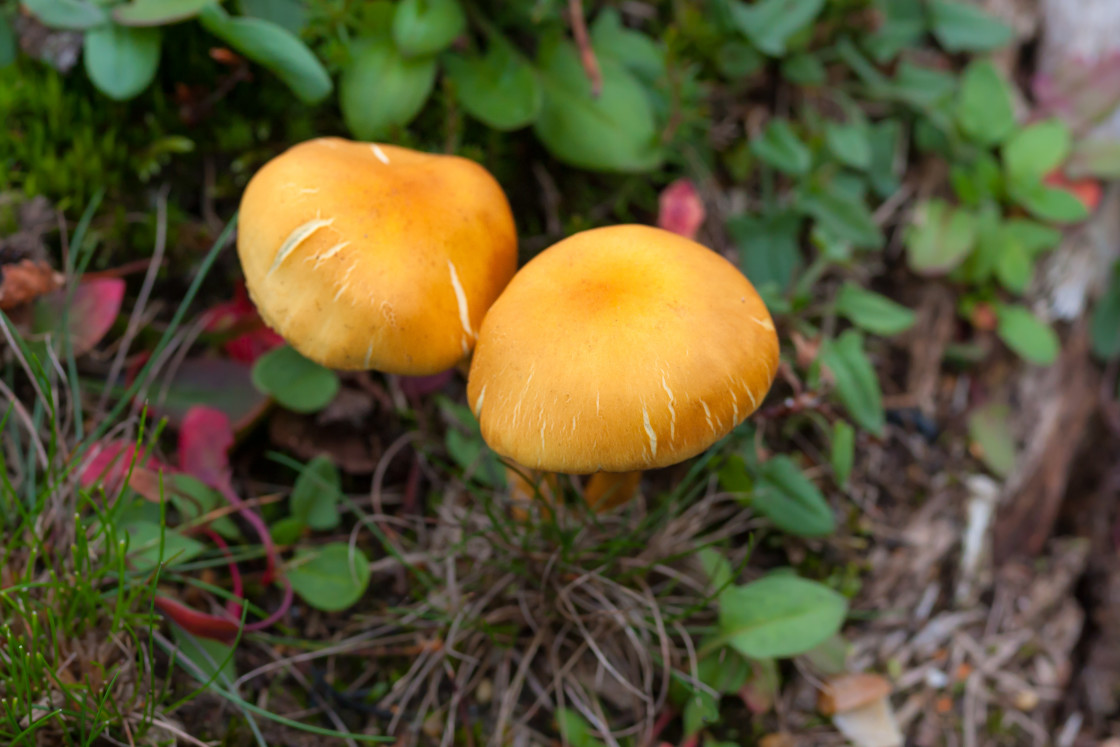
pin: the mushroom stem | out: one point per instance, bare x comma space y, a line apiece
527, 485
607, 490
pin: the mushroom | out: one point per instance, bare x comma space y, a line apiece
369, 256
618, 350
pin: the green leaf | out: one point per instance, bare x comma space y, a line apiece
857, 386
295, 382
274, 48
804, 70
733, 475
883, 172
316, 494
1035, 151
575, 731
144, 546
989, 427
615, 132
1105, 326
499, 89
788, 498
121, 61
873, 312
76, 15
717, 568
843, 216
960, 26
1033, 236
287, 531
978, 182
780, 147
779, 616
7, 42
1049, 203
470, 452
157, 12
843, 451
212, 660
637, 52
830, 658
288, 14
939, 238
904, 24
1027, 335
770, 24
1013, 265
329, 578
984, 108
381, 91
192, 498
921, 87
769, 247
850, 144
425, 27
737, 59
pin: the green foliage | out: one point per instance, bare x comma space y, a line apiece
294, 381
381, 90
121, 61
872, 312
778, 616
856, 384
1026, 334
316, 494
330, 578
989, 427
788, 498
1105, 329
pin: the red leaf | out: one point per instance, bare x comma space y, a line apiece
109, 462
197, 623
240, 316
93, 310
204, 440
681, 210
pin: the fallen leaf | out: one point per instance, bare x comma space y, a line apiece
204, 439
680, 209
26, 280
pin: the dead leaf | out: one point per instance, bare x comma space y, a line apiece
26, 280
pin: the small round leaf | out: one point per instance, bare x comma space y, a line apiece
294, 381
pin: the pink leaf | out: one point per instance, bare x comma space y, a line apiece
109, 461
204, 440
681, 210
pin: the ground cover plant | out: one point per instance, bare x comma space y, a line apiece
207, 538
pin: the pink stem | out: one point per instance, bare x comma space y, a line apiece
232, 607
258, 526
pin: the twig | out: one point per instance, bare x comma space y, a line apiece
586, 53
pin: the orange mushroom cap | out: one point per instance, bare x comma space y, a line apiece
370, 256
618, 349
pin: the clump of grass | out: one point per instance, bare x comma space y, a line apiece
485, 626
